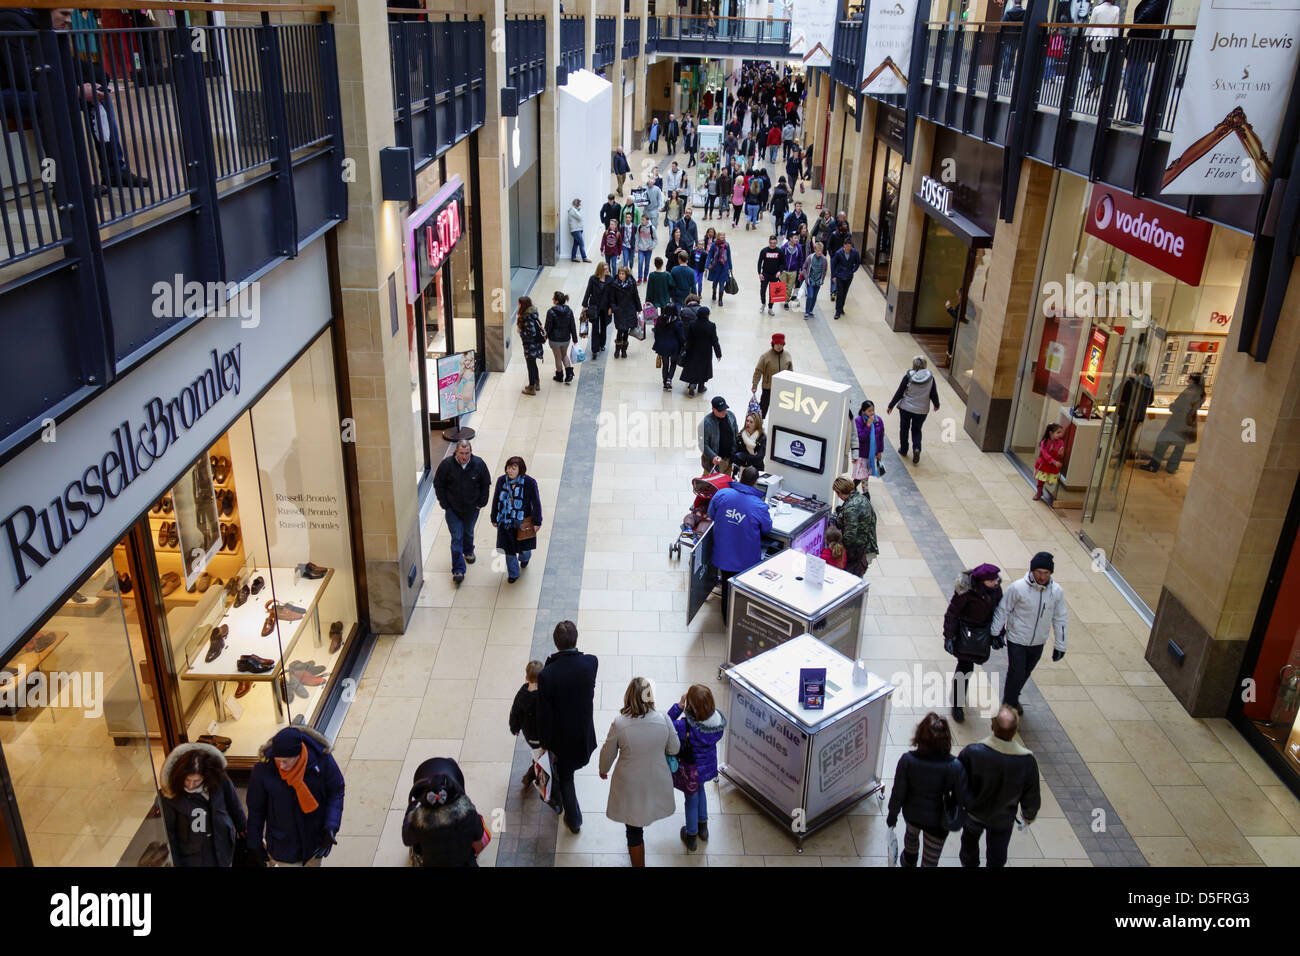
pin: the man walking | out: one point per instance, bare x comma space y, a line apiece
674, 130
1001, 776
463, 486
770, 263
740, 516
717, 436
774, 360
566, 695
675, 178
844, 266
1030, 609
610, 212
620, 167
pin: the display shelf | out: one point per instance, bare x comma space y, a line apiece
245, 624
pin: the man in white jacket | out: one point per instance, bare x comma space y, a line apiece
1029, 610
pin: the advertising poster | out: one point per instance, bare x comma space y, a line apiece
812, 539
890, 24
812, 30
1054, 371
198, 524
456, 394
1094, 358
766, 750
1239, 76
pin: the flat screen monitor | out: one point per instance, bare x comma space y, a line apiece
798, 449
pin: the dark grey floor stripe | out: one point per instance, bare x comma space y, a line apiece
529, 836
1074, 786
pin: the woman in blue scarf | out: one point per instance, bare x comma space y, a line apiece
516, 505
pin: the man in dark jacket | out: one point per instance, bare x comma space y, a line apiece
844, 266
740, 517
673, 131
1001, 775
295, 799
796, 219
463, 486
770, 263
566, 698
1141, 52
683, 278
610, 212
621, 167
690, 229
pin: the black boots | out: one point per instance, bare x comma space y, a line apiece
568, 375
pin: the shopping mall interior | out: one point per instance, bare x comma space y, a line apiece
294, 273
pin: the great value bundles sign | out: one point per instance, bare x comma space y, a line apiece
1173, 243
1238, 83
766, 749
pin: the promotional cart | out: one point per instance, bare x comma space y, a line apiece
805, 767
774, 601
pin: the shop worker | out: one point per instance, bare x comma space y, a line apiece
1030, 609
201, 811
295, 799
740, 517
774, 360
566, 700
1001, 778
463, 486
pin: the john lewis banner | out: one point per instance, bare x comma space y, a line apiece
812, 31
890, 24
1239, 77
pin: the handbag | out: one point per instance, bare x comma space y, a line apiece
686, 773
972, 643
731, 288
659, 361
954, 814
243, 856
527, 530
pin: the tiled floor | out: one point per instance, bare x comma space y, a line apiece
1129, 776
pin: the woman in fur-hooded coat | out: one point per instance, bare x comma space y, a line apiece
441, 826
201, 811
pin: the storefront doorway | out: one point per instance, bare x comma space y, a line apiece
1125, 356
886, 177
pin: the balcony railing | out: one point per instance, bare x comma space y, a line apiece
846, 55
573, 43
606, 34
133, 154
439, 82
526, 55
631, 37
652, 34
684, 34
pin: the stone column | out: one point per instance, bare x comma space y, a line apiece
1246, 470
1002, 304
908, 230
859, 187
548, 108
369, 249
494, 199
830, 175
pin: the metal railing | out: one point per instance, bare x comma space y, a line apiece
631, 37
764, 31
526, 55
132, 153
573, 43
652, 33
846, 54
974, 58
439, 73
606, 35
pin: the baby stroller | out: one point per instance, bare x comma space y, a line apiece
704, 488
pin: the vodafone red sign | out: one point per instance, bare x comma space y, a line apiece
1160, 237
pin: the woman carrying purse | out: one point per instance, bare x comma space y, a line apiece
930, 791
966, 633
517, 516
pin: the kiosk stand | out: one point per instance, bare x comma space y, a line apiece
773, 602
807, 437
805, 767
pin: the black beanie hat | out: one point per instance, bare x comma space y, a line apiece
287, 743
1042, 560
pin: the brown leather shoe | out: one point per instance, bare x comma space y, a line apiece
170, 582
336, 636
244, 687
269, 626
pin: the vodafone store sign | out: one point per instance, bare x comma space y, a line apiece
1159, 236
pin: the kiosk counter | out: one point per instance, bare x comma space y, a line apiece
805, 767
774, 601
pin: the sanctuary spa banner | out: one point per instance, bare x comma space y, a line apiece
1239, 77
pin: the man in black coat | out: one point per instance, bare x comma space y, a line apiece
610, 212
1002, 775
620, 167
463, 486
566, 701
672, 132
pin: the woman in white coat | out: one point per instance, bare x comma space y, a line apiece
640, 739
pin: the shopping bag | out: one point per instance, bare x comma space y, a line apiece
541, 774
577, 355
860, 469
893, 848
650, 313
731, 288
777, 292
638, 331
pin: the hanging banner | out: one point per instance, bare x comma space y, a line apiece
1238, 82
890, 24
812, 30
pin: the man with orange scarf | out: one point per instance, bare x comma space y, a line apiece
295, 799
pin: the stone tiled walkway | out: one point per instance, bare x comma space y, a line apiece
1172, 790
